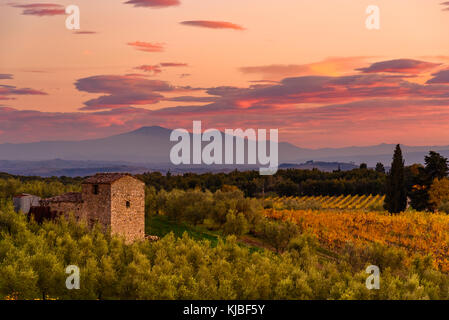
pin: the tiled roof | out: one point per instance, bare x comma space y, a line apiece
105, 178
21, 195
67, 197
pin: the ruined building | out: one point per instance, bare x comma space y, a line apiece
114, 200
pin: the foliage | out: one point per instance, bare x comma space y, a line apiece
226, 209
290, 182
396, 196
444, 207
380, 167
277, 233
33, 259
438, 193
436, 166
415, 232
420, 179
42, 188
160, 226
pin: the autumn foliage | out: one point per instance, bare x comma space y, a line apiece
417, 232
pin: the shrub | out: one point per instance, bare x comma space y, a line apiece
444, 207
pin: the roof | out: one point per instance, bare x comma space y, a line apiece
67, 197
105, 178
22, 195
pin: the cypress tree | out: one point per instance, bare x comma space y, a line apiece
396, 195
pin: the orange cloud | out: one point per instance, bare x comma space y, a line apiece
147, 46
84, 32
213, 24
173, 64
331, 67
153, 3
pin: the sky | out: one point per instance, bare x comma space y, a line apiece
310, 68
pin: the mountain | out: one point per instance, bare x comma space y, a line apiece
147, 144
152, 145
320, 165
144, 145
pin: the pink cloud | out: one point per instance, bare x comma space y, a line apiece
173, 64
408, 66
213, 24
446, 4
440, 77
192, 99
311, 111
40, 9
84, 32
122, 91
7, 91
363, 122
147, 46
155, 69
154, 3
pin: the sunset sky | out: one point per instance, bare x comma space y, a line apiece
307, 67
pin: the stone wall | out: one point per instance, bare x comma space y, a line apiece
128, 208
97, 207
65, 208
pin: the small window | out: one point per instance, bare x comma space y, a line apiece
128, 204
95, 188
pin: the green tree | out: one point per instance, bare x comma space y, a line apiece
363, 166
235, 224
436, 166
396, 195
380, 167
422, 178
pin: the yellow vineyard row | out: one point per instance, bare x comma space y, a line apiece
329, 202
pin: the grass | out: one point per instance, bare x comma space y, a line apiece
159, 225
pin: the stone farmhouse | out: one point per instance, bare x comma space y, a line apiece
114, 200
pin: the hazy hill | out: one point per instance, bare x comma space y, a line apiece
151, 145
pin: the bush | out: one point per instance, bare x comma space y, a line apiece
203, 207
277, 233
236, 224
444, 207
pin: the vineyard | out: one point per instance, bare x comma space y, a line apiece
363, 202
417, 232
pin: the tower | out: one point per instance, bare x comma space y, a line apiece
116, 201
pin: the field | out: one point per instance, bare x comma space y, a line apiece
353, 202
417, 232
160, 226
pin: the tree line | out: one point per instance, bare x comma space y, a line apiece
424, 188
289, 182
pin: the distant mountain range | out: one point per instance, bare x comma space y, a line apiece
149, 148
